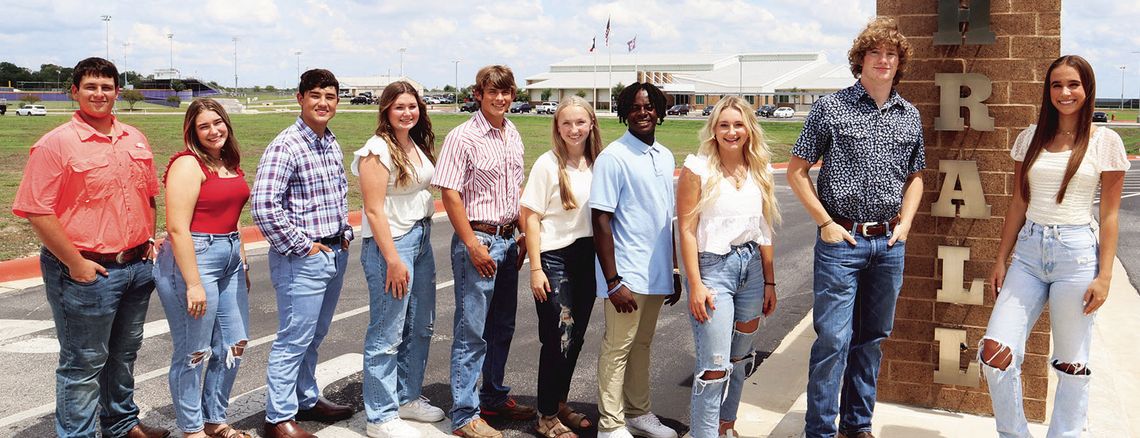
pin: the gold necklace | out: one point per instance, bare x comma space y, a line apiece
738, 177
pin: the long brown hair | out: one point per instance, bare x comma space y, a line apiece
420, 134
231, 154
592, 147
1047, 121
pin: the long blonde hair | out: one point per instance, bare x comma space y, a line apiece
757, 158
591, 149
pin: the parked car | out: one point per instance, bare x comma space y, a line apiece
765, 110
31, 110
520, 107
469, 107
3, 106
1100, 116
783, 112
432, 100
679, 109
546, 108
707, 111
360, 100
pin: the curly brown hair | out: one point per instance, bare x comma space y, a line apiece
882, 31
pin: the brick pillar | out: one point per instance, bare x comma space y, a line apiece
1027, 41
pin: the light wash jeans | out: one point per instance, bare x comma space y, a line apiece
399, 331
308, 288
206, 340
1054, 264
483, 328
737, 281
99, 326
855, 291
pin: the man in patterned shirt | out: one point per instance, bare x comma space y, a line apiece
870, 141
480, 173
299, 202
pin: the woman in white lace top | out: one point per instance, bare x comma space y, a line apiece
1057, 259
726, 209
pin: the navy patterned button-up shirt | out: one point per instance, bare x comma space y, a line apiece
868, 152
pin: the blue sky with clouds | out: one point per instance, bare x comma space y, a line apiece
363, 38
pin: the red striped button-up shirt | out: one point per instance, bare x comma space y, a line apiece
485, 165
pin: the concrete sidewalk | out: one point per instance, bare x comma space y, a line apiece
774, 402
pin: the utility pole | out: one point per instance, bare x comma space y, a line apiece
235, 66
456, 82
107, 26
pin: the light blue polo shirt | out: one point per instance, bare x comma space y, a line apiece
634, 181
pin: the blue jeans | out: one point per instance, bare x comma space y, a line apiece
563, 319
1054, 264
308, 288
484, 326
855, 290
737, 280
100, 329
209, 339
399, 331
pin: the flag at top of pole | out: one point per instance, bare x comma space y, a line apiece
607, 32
593, 43
632, 43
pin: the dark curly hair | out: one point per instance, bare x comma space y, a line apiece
625, 100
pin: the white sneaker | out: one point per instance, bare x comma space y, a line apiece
394, 428
649, 426
620, 432
421, 410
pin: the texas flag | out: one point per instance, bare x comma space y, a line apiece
632, 43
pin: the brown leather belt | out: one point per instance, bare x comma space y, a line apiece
868, 229
507, 230
126, 256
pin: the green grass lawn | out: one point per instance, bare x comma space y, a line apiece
255, 131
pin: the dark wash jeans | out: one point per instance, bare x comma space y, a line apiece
563, 318
100, 329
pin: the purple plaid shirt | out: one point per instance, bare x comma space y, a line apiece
300, 193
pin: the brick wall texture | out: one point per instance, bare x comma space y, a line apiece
1028, 39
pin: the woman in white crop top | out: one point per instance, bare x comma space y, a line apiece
395, 169
725, 210
1057, 258
560, 245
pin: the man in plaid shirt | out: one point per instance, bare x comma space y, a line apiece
299, 202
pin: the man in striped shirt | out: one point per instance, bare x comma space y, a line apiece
299, 202
480, 173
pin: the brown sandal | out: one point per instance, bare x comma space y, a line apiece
229, 432
551, 427
569, 416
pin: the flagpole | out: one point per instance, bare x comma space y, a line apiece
595, 79
610, 81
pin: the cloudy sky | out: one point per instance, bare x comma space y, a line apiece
365, 37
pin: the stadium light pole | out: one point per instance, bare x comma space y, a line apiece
170, 37
456, 82
402, 50
107, 27
125, 45
235, 66
1122, 68
298, 53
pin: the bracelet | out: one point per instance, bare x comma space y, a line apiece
769, 283
829, 222
615, 289
616, 277
535, 268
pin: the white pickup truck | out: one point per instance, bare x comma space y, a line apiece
546, 108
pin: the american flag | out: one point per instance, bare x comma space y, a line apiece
607, 32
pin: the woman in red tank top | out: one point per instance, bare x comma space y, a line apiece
201, 273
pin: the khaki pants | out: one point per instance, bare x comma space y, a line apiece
623, 365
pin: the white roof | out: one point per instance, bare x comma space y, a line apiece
754, 73
376, 82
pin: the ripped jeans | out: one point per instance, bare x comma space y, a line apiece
1054, 264
216, 340
563, 319
737, 281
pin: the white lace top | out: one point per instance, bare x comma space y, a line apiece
736, 216
404, 205
1105, 153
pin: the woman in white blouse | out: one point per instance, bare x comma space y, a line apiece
726, 210
1056, 256
395, 169
561, 249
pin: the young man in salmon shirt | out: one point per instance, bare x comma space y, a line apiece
88, 191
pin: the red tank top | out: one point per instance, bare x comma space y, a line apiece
220, 200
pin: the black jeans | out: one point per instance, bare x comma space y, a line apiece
563, 319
